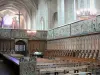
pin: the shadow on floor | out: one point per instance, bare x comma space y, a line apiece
4, 69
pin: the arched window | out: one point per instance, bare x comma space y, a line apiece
55, 20
12, 19
42, 23
20, 45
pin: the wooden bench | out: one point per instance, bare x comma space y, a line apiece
73, 58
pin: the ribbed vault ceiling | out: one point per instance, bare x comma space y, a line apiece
21, 5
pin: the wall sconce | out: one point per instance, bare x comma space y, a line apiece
31, 32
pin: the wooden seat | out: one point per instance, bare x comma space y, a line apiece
83, 54
91, 54
87, 54
82, 73
80, 54
95, 54
71, 60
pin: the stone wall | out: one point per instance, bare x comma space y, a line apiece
76, 29
81, 35
22, 34
42, 15
46, 9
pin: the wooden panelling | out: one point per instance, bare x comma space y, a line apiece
12, 45
91, 54
34, 45
89, 42
6, 45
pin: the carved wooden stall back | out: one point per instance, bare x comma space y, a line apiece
36, 45
6, 45
80, 46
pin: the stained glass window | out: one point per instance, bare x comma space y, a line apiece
12, 20
7, 20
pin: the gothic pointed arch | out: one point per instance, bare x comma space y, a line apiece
42, 22
55, 20
23, 6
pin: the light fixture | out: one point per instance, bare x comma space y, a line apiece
86, 13
31, 32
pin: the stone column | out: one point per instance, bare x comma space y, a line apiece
69, 11
84, 4
97, 6
61, 19
33, 21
